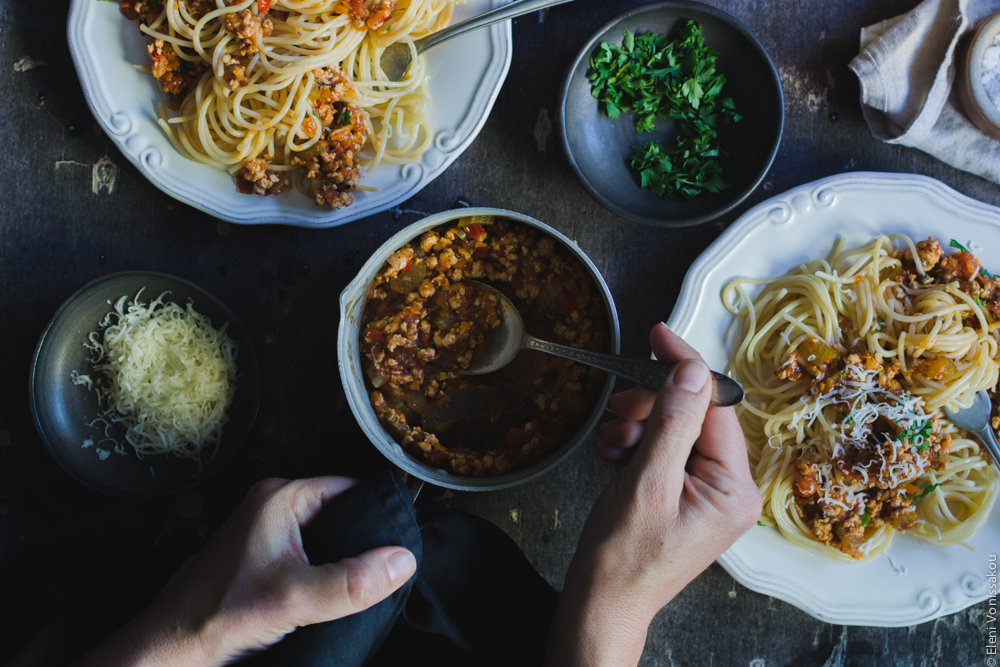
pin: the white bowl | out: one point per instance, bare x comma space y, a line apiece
352, 306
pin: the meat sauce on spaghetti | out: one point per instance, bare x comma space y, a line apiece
846, 436
288, 94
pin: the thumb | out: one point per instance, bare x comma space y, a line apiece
335, 590
675, 422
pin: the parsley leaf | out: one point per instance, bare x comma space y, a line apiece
923, 494
345, 118
658, 79
923, 429
865, 519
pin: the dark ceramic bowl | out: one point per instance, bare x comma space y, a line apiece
599, 147
67, 415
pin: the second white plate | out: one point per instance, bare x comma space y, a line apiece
914, 581
465, 76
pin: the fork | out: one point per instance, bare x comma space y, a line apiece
976, 420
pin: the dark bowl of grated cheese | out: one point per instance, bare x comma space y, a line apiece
164, 424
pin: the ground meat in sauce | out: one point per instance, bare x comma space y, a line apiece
960, 267
333, 163
255, 177
247, 27
176, 76
362, 17
422, 323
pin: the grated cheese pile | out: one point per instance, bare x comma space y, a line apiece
866, 401
167, 375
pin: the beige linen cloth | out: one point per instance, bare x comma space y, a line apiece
907, 68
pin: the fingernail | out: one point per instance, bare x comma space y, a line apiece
690, 375
401, 566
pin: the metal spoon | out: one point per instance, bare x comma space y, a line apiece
976, 420
396, 57
504, 342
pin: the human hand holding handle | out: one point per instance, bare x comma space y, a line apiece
252, 584
684, 495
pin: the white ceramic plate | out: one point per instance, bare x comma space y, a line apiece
465, 75
914, 581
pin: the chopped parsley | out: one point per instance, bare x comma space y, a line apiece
660, 79
923, 429
916, 498
878, 324
345, 118
865, 519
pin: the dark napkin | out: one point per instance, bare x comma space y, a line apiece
474, 600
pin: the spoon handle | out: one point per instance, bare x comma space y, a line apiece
647, 372
502, 13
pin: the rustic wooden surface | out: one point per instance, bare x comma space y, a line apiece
65, 550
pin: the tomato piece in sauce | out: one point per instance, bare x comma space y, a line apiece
566, 302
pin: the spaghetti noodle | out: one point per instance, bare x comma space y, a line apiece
290, 92
846, 363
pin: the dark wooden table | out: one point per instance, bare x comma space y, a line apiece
74, 563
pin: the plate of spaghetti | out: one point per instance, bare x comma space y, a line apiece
852, 310
277, 111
